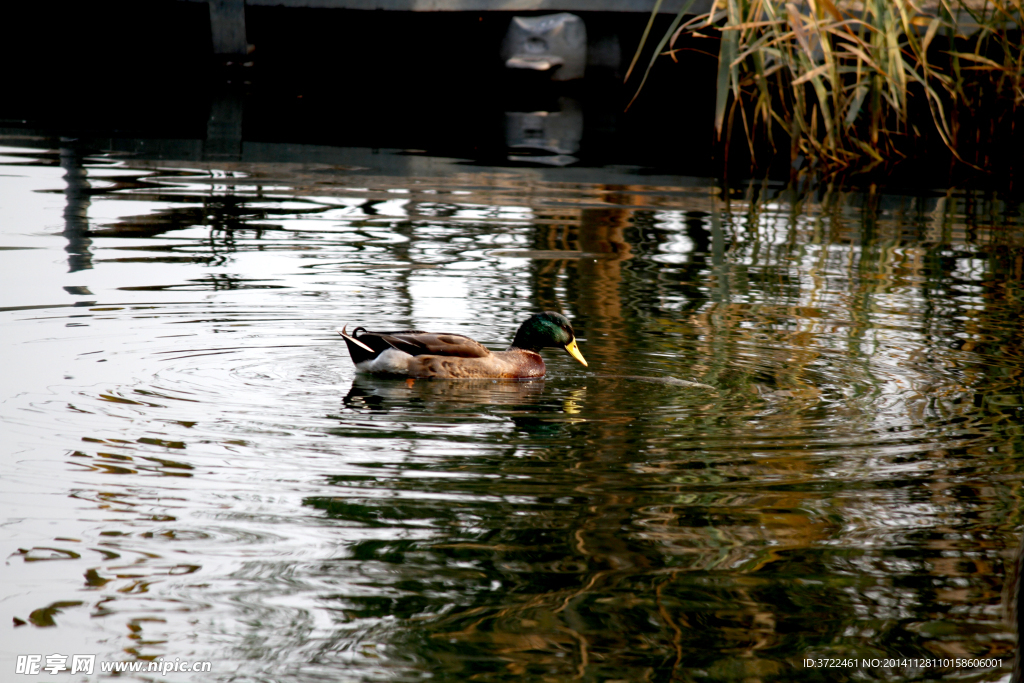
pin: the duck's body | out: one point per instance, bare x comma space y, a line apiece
414, 353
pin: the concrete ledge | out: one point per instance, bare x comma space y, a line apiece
668, 6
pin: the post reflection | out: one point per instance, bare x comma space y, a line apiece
76, 208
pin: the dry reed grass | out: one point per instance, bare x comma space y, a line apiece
847, 80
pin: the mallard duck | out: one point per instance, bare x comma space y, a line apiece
415, 353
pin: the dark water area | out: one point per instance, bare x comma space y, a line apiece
799, 435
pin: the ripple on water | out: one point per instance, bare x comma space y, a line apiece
226, 488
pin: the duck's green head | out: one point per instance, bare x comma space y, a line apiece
547, 329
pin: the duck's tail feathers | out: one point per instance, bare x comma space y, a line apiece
352, 340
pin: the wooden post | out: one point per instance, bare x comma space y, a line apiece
227, 27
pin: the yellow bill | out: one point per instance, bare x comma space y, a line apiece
575, 352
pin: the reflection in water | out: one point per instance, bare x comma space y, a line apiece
557, 132
224, 127
234, 493
76, 211
376, 394
1013, 599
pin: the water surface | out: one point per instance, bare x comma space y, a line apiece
191, 468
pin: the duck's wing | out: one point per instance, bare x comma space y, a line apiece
366, 345
435, 344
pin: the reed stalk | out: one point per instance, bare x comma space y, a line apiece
855, 83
